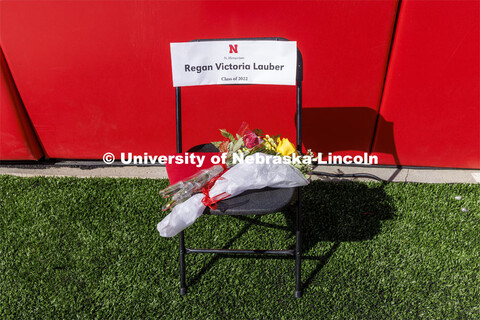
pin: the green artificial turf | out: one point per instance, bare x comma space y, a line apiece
88, 248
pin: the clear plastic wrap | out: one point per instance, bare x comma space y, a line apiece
243, 176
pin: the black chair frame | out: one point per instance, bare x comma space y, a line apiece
293, 252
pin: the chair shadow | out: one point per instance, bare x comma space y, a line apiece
329, 216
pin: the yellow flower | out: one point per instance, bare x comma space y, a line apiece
269, 143
285, 147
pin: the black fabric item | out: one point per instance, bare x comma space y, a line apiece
207, 147
259, 202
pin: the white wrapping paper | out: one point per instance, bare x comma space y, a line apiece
241, 177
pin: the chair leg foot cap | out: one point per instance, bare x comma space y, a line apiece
298, 294
183, 291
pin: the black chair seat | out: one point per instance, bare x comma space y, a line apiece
263, 201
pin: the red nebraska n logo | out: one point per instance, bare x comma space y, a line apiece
233, 48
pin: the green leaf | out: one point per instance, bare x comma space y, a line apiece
237, 145
217, 143
227, 135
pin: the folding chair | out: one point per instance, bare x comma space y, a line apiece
253, 202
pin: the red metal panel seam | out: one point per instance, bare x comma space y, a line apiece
22, 113
394, 31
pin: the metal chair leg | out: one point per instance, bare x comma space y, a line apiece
183, 286
298, 253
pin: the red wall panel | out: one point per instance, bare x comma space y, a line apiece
431, 96
17, 138
95, 76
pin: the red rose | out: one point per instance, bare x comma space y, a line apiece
251, 139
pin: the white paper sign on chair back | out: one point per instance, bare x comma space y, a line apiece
234, 62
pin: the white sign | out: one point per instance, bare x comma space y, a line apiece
234, 62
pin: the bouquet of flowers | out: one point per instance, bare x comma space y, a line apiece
247, 142
189, 198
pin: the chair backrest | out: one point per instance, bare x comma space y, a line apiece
299, 79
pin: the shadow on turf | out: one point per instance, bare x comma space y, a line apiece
339, 211
335, 212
